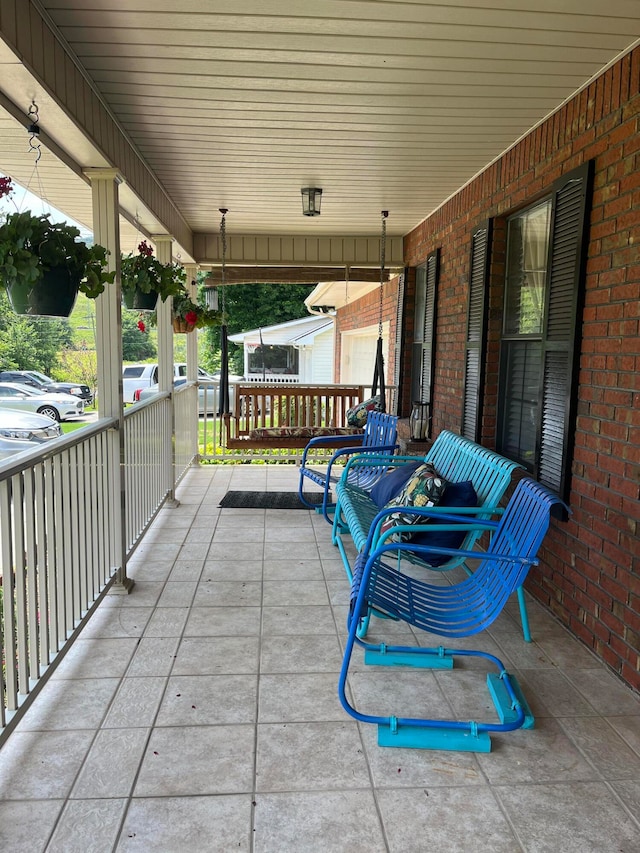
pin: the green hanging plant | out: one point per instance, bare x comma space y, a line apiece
37, 253
142, 273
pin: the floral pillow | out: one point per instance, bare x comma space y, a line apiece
424, 489
357, 415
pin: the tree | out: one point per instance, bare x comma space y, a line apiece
136, 345
250, 306
80, 365
30, 343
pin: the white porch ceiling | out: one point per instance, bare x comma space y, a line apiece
384, 104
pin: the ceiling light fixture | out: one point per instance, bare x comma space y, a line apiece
311, 198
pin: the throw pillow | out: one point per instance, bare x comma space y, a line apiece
389, 486
357, 415
424, 489
455, 494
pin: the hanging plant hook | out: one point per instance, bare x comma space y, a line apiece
34, 131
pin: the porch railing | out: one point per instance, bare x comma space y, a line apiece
58, 552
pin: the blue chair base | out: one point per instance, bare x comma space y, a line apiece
413, 737
454, 735
385, 656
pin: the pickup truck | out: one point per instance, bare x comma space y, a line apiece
138, 376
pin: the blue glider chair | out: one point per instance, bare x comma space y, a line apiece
379, 437
456, 609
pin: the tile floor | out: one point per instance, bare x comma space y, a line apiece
200, 713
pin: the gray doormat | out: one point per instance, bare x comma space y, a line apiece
268, 500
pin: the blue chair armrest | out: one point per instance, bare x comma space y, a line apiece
327, 441
367, 458
447, 520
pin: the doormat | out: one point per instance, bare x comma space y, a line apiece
268, 500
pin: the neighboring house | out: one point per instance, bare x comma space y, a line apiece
525, 286
357, 307
299, 350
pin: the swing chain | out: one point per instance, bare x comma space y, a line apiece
223, 235
383, 247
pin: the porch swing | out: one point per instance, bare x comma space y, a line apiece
272, 417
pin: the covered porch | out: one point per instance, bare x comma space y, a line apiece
200, 713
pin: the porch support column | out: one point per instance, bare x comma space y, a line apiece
163, 244
192, 340
104, 189
192, 357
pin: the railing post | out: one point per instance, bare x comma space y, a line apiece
166, 368
104, 189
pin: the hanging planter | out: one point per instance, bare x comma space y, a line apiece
181, 327
54, 295
43, 265
144, 279
187, 315
137, 300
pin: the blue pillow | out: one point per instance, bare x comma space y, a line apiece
455, 494
393, 483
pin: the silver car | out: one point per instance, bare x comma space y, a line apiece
21, 431
58, 406
208, 392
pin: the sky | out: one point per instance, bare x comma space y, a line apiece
25, 200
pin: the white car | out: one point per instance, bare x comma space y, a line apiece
60, 407
135, 377
21, 431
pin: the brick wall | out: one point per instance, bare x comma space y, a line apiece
590, 570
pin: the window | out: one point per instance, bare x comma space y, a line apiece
545, 259
521, 346
422, 357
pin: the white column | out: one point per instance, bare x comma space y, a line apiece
163, 244
192, 339
192, 356
104, 188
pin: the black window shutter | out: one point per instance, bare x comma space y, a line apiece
565, 294
424, 347
475, 345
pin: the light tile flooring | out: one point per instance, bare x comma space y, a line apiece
200, 714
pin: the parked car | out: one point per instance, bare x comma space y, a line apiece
21, 431
208, 392
138, 376
60, 407
35, 379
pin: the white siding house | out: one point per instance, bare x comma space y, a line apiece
299, 350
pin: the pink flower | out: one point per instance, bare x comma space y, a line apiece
145, 249
191, 318
6, 187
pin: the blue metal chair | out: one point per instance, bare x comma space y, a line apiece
378, 437
458, 609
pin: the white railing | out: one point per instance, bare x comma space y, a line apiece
60, 506
273, 378
147, 454
185, 401
56, 553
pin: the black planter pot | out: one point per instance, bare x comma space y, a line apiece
53, 296
139, 301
